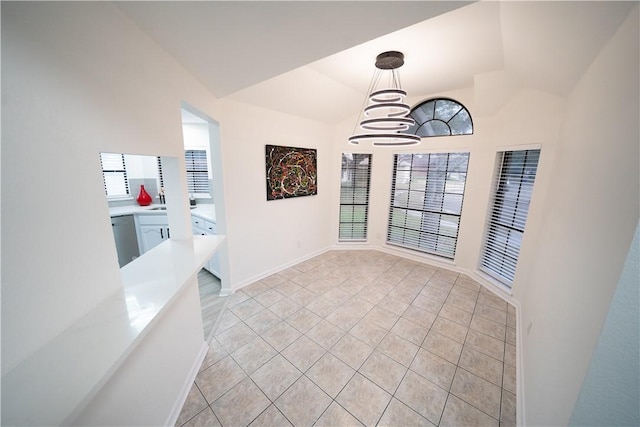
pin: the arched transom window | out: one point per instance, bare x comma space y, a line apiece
440, 117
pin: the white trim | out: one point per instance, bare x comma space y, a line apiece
416, 255
520, 147
186, 387
492, 284
271, 271
361, 245
520, 409
434, 150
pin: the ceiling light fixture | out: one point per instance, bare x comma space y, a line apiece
386, 115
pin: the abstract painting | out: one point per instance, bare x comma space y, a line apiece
291, 172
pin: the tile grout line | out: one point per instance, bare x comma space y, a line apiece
369, 284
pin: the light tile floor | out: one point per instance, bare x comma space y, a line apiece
210, 303
353, 338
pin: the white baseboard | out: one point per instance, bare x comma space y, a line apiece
274, 270
188, 383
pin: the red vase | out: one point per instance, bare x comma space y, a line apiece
144, 199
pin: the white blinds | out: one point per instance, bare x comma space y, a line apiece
197, 171
159, 159
114, 175
513, 185
426, 201
354, 196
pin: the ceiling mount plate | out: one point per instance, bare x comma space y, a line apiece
390, 60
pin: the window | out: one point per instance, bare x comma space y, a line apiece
513, 186
440, 117
426, 201
114, 175
354, 196
159, 159
197, 171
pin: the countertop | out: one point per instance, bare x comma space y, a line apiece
204, 211
50, 387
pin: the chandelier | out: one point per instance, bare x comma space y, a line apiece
386, 116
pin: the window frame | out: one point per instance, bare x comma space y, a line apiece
343, 212
418, 235
499, 254
419, 123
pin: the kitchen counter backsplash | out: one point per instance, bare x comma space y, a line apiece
206, 211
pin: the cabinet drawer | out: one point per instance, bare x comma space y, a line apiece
152, 220
197, 222
210, 227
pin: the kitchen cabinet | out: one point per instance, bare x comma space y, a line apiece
205, 227
152, 230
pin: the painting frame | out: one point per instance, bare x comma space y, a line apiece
291, 172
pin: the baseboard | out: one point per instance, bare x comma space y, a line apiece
520, 407
186, 388
274, 270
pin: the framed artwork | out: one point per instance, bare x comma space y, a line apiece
291, 172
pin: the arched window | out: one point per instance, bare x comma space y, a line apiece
440, 117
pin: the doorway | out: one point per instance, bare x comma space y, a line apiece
203, 161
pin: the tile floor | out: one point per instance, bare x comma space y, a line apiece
353, 338
210, 303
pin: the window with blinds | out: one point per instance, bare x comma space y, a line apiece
197, 171
513, 186
426, 201
354, 196
114, 175
159, 159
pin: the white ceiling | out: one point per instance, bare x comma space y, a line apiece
316, 59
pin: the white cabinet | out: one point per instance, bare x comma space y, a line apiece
152, 230
203, 227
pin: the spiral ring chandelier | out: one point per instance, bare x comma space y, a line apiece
386, 115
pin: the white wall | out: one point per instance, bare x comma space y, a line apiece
583, 212
527, 119
77, 79
611, 392
80, 78
266, 235
590, 214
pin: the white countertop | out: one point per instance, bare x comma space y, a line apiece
204, 211
53, 385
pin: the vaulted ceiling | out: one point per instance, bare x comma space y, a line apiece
316, 59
